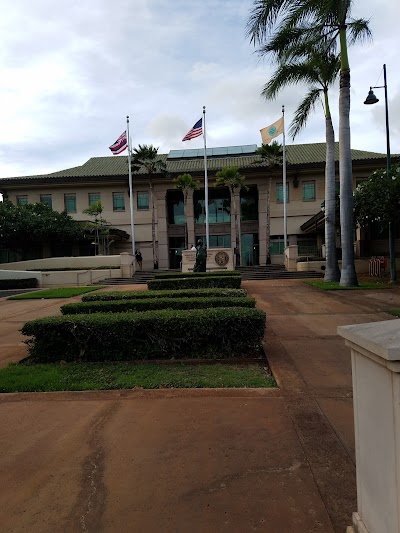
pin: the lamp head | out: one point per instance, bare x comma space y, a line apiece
371, 98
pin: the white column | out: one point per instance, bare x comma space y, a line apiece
375, 359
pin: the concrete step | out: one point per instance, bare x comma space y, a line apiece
261, 273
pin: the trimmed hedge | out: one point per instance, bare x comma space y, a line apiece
212, 333
27, 283
231, 282
123, 306
169, 275
145, 295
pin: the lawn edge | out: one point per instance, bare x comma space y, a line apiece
126, 394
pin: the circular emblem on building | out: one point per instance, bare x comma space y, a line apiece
272, 131
222, 259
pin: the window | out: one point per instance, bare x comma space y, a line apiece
216, 241
279, 192
276, 246
93, 198
249, 203
308, 191
142, 200
118, 201
70, 203
219, 206
46, 199
175, 207
22, 200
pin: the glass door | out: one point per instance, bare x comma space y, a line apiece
250, 249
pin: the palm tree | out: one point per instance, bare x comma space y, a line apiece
146, 157
318, 69
185, 183
321, 21
230, 177
272, 155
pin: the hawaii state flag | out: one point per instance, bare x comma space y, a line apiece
196, 131
120, 144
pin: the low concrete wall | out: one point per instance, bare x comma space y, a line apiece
362, 266
74, 278
217, 259
21, 274
65, 262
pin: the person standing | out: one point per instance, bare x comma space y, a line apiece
139, 259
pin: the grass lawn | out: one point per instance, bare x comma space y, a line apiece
335, 286
395, 312
63, 292
102, 376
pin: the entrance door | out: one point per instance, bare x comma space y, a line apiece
176, 246
250, 249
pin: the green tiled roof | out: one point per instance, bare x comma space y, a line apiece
297, 154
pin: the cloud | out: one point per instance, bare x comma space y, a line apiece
71, 74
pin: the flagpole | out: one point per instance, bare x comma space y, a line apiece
284, 183
130, 188
206, 179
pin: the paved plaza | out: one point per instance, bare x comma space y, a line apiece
273, 461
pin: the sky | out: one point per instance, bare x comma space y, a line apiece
72, 70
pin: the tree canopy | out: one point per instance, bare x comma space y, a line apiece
377, 199
22, 226
146, 156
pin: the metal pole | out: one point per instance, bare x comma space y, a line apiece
206, 179
130, 188
392, 244
284, 183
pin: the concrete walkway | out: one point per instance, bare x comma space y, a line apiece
274, 461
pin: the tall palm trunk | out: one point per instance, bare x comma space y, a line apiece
268, 223
332, 272
348, 276
153, 225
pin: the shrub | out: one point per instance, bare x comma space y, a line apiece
168, 275
231, 282
187, 293
123, 306
212, 333
27, 283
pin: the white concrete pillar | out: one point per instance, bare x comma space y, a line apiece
127, 265
291, 256
375, 359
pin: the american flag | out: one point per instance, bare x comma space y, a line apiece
120, 144
196, 131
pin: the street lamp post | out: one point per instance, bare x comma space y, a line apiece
372, 99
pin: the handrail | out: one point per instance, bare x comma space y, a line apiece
78, 274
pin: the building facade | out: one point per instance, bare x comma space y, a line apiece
106, 179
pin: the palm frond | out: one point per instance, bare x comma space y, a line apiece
271, 154
263, 17
303, 111
146, 156
358, 31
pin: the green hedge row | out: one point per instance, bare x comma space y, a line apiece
123, 306
212, 333
27, 283
144, 295
168, 275
231, 282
